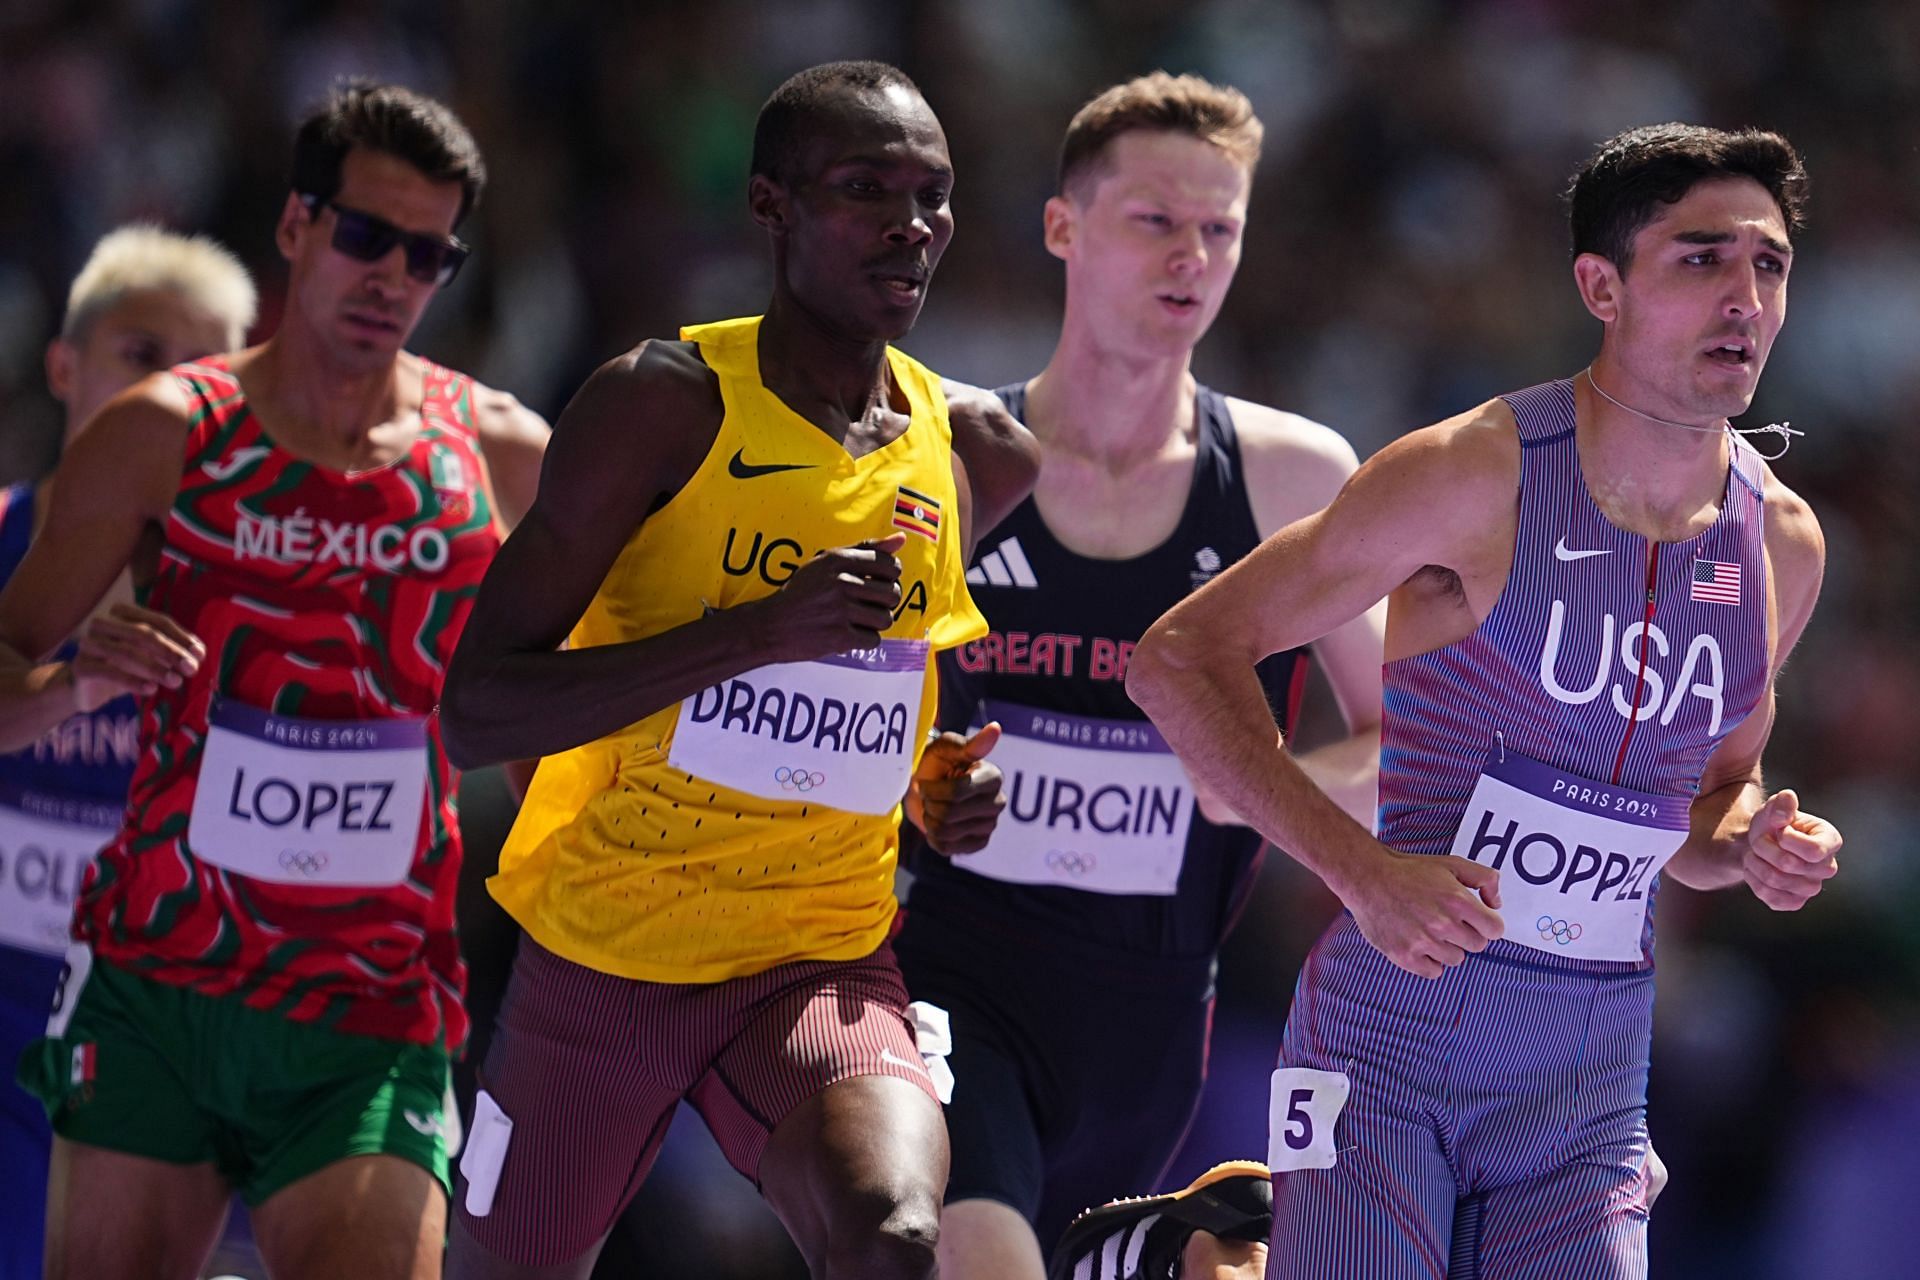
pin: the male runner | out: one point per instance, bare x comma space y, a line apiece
1593, 584
757, 536
265, 989
1090, 925
146, 300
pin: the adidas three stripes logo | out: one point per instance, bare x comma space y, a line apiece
1004, 566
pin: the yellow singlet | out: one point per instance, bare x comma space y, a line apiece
627, 864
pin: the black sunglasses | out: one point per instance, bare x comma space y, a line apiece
431, 259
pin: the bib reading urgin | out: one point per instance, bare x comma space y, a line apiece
1101, 847
756, 822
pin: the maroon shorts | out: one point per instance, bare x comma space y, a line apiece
588, 1069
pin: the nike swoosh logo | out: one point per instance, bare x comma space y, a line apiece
740, 469
1560, 552
888, 1055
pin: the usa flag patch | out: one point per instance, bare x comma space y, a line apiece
1716, 582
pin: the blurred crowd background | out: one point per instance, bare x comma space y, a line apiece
1406, 258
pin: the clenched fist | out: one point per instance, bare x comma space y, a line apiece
955, 797
1790, 853
1426, 913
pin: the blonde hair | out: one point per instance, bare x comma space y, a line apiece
142, 256
1213, 113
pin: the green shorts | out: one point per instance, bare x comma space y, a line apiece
156, 1070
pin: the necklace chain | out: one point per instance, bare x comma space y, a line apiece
1782, 429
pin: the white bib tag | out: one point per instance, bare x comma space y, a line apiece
321, 802
46, 843
485, 1154
1100, 805
1576, 858
839, 731
933, 1036
1300, 1117
66, 993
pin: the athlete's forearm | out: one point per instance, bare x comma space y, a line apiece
1215, 717
33, 698
1349, 772
1717, 839
522, 705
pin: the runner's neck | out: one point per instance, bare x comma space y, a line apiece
1114, 410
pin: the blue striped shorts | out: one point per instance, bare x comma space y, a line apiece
1516, 1086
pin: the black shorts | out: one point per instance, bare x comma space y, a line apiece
1075, 1075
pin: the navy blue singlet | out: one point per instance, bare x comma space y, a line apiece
1053, 672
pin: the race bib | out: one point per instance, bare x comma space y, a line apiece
839, 731
1100, 805
66, 992
1300, 1117
46, 843
1576, 858
320, 802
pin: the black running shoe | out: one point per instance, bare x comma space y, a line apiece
1142, 1238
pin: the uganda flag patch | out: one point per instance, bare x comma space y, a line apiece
916, 513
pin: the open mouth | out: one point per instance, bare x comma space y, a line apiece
1179, 303
1731, 353
906, 280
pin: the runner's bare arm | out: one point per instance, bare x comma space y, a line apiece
1348, 770
633, 436
996, 459
1420, 502
116, 481
513, 440
1739, 833
1294, 467
955, 796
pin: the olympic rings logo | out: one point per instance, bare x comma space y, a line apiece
1558, 932
797, 779
308, 862
1070, 862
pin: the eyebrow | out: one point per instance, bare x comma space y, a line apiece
1727, 237
1144, 198
890, 162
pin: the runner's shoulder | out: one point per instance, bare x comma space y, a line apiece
658, 393
1000, 456
1465, 462
1796, 546
979, 416
1265, 430
143, 424
1294, 466
501, 420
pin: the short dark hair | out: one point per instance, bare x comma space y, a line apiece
1616, 192
785, 117
386, 117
